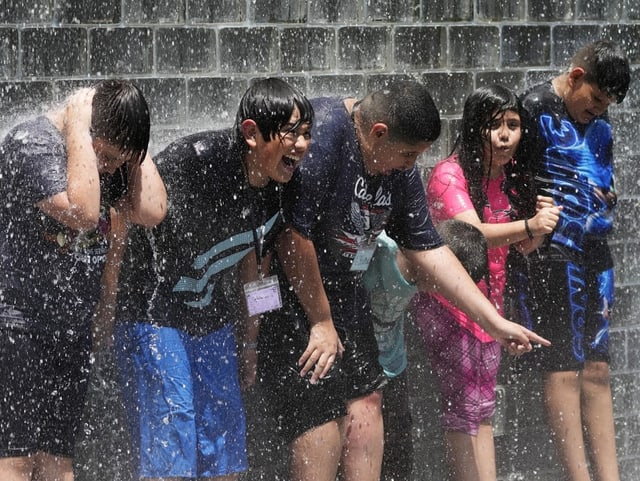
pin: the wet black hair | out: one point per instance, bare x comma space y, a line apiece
408, 110
606, 66
468, 244
270, 103
120, 116
481, 109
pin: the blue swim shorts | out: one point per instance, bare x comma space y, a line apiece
183, 401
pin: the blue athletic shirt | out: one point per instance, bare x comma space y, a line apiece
49, 273
183, 273
573, 163
335, 203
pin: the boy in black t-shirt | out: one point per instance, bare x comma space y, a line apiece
178, 297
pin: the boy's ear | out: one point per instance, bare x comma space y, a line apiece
379, 130
575, 74
249, 131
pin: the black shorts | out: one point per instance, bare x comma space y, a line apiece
298, 405
44, 381
570, 304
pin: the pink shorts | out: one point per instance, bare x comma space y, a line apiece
466, 368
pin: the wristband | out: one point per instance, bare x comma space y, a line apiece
249, 345
528, 229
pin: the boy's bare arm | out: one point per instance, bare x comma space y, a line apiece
78, 207
104, 319
146, 201
300, 263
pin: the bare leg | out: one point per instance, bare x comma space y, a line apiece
597, 413
562, 402
460, 448
316, 453
364, 439
16, 469
471, 458
485, 453
48, 467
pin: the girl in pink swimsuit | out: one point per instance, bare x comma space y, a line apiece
469, 186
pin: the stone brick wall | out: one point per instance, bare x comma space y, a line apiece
194, 58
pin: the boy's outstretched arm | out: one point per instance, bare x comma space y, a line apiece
438, 270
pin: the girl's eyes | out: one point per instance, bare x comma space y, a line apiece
510, 125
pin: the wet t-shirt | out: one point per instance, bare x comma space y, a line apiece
183, 273
335, 203
573, 163
49, 273
448, 195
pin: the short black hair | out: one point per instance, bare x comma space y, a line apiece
606, 66
407, 108
120, 116
468, 244
270, 103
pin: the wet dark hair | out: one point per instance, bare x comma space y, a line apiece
270, 103
408, 110
469, 245
606, 66
120, 116
481, 109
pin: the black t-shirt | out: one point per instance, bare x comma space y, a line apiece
49, 273
182, 273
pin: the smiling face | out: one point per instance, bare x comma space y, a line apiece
277, 158
503, 137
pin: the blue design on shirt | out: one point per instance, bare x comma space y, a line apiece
188, 284
578, 174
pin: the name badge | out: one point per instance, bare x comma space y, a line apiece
263, 295
363, 257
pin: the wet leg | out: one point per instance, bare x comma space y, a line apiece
48, 467
597, 412
364, 439
562, 392
485, 453
471, 458
459, 449
16, 469
316, 453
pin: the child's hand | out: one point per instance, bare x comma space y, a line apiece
543, 201
78, 110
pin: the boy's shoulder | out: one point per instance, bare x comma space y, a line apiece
539, 97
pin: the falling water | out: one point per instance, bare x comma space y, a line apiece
194, 59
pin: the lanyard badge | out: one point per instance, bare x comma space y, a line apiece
262, 295
363, 256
